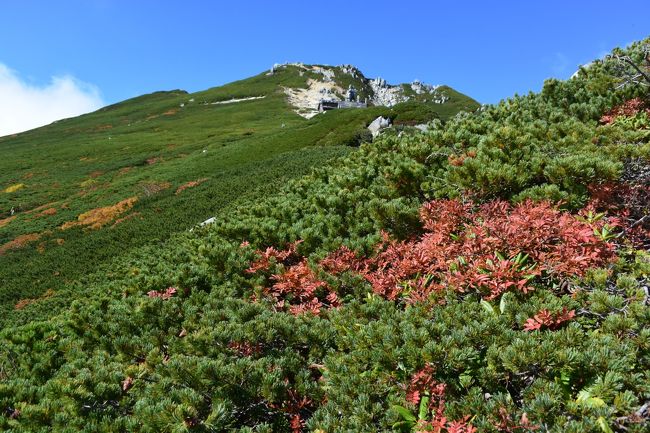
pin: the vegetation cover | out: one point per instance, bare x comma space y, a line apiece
489, 275
135, 172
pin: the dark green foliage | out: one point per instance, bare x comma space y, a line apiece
217, 354
413, 113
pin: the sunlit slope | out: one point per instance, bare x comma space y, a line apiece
79, 192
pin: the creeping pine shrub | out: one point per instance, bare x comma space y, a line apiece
488, 249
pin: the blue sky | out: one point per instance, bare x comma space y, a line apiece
111, 50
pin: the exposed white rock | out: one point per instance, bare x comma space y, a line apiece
306, 100
441, 99
420, 88
378, 124
422, 127
211, 220
352, 70
327, 73
384, 94
231, 101
208, 221
378, 82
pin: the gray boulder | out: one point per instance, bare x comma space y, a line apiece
378, 124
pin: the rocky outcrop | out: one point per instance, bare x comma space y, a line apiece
385, 94
325, 84
421, 88
306, 100
378, 124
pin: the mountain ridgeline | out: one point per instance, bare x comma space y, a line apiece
466, 270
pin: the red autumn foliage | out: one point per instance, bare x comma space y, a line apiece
440, 424
548, 320
342, 260
493, 248
627, 109
245, 348
270, 256
163, 294
294, 406
296, 288
423, 383
296, 423
489, 249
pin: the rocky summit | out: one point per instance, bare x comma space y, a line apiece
331, 83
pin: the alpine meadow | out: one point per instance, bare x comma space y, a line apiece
392, 259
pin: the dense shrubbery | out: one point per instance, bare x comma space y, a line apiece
423, 283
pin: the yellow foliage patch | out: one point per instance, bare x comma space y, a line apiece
15, 187
96, 218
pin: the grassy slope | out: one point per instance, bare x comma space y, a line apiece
147, 147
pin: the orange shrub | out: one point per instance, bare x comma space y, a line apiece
96, 218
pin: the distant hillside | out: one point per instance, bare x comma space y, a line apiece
78, 193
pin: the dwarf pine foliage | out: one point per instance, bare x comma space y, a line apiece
490, 275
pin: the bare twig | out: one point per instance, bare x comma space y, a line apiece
634, 224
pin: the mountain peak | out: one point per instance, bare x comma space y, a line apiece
331, 83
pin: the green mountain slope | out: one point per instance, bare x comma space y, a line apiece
488, 275
78, 193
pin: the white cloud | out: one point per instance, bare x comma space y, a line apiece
25, 106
